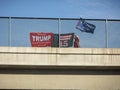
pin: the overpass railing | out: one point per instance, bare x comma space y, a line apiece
14, 31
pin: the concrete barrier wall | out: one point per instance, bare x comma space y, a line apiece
59, 56
61, 79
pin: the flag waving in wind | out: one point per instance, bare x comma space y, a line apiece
84, 26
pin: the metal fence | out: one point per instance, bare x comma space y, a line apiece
14, 31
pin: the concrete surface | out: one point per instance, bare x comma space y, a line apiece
59, 56
49, 68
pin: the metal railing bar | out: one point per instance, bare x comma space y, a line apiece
61, 18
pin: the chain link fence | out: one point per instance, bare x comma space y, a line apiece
15, 31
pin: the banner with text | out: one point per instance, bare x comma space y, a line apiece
41, 39
66, 40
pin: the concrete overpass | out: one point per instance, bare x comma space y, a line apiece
60, 68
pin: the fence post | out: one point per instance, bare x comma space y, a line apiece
9, 37
59, 25
106, 29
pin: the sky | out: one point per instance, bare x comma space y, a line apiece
88, 9
91, 9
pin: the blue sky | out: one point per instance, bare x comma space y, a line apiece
89, 9
61, 8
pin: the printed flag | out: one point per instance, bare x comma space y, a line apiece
66, 40
40, 39
84, 26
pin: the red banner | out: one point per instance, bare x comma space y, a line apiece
41, 39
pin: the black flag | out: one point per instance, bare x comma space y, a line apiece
66, 40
